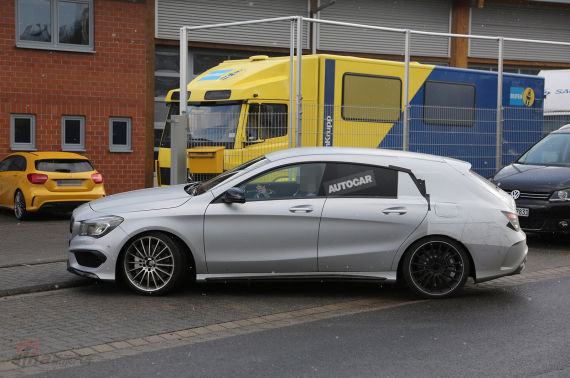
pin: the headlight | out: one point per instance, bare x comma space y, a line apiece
98, 227
561, 195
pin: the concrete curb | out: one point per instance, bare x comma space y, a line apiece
36, 277
74, 282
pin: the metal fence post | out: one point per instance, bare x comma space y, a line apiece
499, 138
291, 85
299, 105
179, 124
406, 122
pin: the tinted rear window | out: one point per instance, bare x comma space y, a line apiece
64, 165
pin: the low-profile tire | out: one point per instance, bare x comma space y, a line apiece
436, 267
20, 210
153, 264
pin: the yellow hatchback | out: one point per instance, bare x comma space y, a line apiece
30, 181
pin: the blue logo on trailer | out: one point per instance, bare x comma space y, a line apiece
214, 75
516, 96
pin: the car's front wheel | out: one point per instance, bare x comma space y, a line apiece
20, 211
153, 264
436, 267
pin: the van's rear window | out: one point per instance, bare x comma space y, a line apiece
63, 165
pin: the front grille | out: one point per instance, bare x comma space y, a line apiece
531, 195
91, 259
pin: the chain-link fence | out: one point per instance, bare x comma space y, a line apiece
239, 132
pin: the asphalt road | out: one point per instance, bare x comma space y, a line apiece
518, 331
42, 238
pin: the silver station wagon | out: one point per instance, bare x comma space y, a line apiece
327, 213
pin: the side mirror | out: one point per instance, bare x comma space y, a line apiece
234, 195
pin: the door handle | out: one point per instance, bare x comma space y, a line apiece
395, 210
301, 209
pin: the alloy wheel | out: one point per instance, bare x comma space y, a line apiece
149, 263
19, 205
436, 268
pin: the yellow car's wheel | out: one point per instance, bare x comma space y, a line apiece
20, 206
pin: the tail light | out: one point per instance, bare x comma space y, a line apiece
97, 178
37, 178
513, 220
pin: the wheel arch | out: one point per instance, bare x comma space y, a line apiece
191, 264
399, 271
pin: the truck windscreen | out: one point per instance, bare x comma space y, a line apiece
209, 124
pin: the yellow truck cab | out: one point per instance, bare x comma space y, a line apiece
239, 109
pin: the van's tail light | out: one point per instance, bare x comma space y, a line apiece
513, 220
37, 178
97, 178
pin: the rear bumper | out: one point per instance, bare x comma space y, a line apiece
498, 261
65, 199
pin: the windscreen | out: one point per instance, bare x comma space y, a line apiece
554, 150
64, 165
210, 124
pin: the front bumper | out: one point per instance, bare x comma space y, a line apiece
545, 216
95, 258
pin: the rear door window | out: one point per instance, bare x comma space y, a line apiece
359, 180
64, 165
5, 164
19, 164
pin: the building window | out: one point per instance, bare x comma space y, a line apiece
449, 104
23, 132
369, 98
120, 135
73, 133
55, 24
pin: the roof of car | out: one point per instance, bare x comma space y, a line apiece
306, 151
564, 129
54, 155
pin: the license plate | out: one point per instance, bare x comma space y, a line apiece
522, 212
69, 182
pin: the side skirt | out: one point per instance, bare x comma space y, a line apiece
333, 276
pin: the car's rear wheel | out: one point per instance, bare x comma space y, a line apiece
436, 267
20, 211
153, 264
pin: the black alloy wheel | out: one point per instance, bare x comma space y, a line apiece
436, 267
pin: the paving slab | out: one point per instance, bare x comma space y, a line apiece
28, 278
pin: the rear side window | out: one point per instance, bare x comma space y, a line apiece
369, 98
4, 164
64, 165
449, 104
18, 164
356, 180
13, 163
